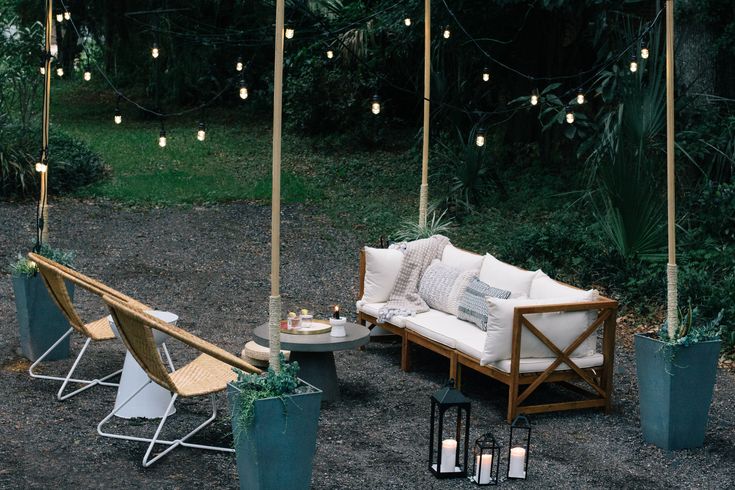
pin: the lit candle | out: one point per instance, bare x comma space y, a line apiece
336, 312
449, 455
483, 468
517, 465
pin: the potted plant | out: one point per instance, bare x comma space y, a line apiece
275, 416
676, 371
40, 322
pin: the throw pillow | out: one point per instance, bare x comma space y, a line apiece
461, 259
562, 328
381, 271
441, 286
545, 287
506, 276
473, 306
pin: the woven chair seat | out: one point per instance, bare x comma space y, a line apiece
100, 329
202, 376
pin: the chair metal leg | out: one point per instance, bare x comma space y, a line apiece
168, 357
68, 378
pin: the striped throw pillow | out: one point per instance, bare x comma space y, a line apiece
473, 306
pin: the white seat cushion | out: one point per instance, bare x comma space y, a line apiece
498, 274
540, 364
373, 309
470, 341
441, 327
461, 259
381, 271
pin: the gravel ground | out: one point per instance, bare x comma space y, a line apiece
210, 265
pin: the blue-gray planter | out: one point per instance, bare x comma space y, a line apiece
40, 322
676, 385
277, 450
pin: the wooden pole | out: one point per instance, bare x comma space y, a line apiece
43, 197
424, 191
274, 304
671, 271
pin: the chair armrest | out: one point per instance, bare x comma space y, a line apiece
361, 276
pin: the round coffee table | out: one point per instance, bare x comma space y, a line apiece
315, 354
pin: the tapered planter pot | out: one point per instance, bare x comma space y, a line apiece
40, 322
277, 450
676, 385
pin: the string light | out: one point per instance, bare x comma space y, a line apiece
580, 96
570, 115
87, 74
162, 137
480, 137
243, 90
534, 97
633, 64
60, 71
118, 114
407, 21
446, 33
202, 132
54, 49
154, 50
644, 51
67, 14
239, 65
289, 32
375, 104
330, 54
41, 167
59, 17
486, 74
42, 68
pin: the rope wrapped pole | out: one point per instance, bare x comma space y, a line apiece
672, 315
424, 192
43, 197
274, 304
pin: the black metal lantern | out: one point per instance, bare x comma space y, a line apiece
519, 446
448, 446
485, 460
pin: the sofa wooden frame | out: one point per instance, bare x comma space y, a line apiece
598, 380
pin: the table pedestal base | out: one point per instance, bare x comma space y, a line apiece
150, 403
318, 369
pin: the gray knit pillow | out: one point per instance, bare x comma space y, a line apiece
472, 304
441, 286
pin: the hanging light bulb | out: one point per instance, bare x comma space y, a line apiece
60, 17
67, 15
154, 50
202, 132
407, 21
87, 74
486, 74
118, 116
633, 64
644, 52
534, 97
162, 138
375, 104
570, 115
41, 167
60, 71
54, 49
480, 137
580, 96
330, 54
289, 32
238, 65
243, 90
446, 33
42, 68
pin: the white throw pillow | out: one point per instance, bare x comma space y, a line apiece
561, 328
381, 271
543, 286
442, 285
461, 259
505, 276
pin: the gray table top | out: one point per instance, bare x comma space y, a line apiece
357, 335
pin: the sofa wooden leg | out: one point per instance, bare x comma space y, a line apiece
405, 354
453, 368
458, 374
512, 397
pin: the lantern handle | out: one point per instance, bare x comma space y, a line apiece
520, 418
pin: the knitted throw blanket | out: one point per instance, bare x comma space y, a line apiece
404, 299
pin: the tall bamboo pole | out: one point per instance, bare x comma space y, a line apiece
424, 192
274, 303
671, 272
43, 197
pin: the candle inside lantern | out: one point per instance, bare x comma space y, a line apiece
449, 455
517, 464
336, 312
483, 468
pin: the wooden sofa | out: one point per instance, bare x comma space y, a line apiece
597, 384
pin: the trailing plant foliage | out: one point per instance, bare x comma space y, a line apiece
254, 387
24, 267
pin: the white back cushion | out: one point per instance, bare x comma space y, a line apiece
543, 286
561, 328
505, 276
381, 271
461, 259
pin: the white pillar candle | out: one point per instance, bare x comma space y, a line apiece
483, 471
449, 455
517, 465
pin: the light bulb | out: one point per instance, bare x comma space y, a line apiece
162, 139
570, 116
580, 97
375, 105
289, 32
67, 15
239, 66
154, 50
54, 49
59, 17
485, 75
118, 116
243, 93
633, 64
201, 132
645, 53
87, 75
60, 71
330, 54
534, 99
42, 69
41, 167
407, 21
480, 137
447, 33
